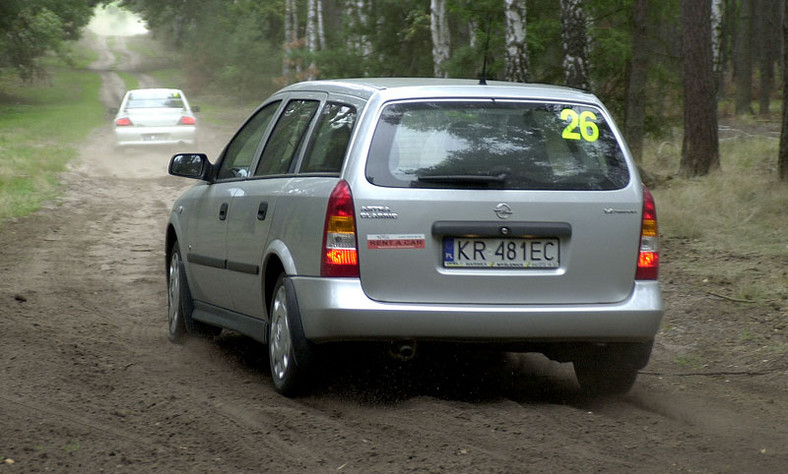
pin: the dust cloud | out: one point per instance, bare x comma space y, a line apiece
111, 20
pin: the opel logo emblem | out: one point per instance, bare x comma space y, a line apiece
502, 210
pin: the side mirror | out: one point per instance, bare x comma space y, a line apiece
112, 110
195, 108
191, 165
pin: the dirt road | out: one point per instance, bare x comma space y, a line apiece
90, 383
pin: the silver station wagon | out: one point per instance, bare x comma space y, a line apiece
419, 211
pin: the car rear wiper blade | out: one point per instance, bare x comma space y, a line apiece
463, 178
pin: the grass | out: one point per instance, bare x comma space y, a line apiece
736, 219
40, 126
130, 80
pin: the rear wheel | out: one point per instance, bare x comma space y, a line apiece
611, 369
290, 354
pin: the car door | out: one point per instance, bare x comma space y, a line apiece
207, 229
253, 208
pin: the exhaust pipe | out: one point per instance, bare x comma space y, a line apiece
403, 350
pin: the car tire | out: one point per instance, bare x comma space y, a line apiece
611, 370
290, 354
180, 304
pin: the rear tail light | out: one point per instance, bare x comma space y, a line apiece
340, 257
187, 120
123, 122
648, 256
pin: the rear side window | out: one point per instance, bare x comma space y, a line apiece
326, 151
496, 145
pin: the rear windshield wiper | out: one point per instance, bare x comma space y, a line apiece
463, 179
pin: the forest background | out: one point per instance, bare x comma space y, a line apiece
636, 55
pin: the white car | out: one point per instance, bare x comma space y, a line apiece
155, 117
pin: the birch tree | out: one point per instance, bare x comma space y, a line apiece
441, 44
357, 27
717, 15
700, 149
289, 42
312, 37
321, 32
575, 44
516, 56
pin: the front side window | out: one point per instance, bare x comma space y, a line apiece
241, 150
326, 151
286, 137
496, 145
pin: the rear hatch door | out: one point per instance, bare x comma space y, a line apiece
497, 203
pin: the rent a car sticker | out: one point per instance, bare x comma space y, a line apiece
395, 241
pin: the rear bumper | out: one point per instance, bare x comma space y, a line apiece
338, 310
155, 136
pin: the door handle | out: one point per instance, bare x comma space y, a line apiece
262, 210
223, 211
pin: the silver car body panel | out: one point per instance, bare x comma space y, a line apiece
338, 309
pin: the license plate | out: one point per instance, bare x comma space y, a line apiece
149, 138
459, 252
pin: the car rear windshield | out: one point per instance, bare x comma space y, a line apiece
142, 101
497, 145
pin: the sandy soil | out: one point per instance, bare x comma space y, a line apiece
90, 383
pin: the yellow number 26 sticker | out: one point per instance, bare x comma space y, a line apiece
580, 126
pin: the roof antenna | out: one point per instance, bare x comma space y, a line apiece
483, 78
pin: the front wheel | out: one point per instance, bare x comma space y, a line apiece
290, 354
178, 297
180, 304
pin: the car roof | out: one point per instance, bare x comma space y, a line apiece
420, 87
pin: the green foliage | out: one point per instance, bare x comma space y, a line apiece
234, 47
32, 28
238, 46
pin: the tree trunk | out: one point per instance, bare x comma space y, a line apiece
439, 26
767, 16
742, 69
311, 38
782, 161
286, 72
634, 128
575, 44
700, 150
516, 57
717, 38
321, 33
